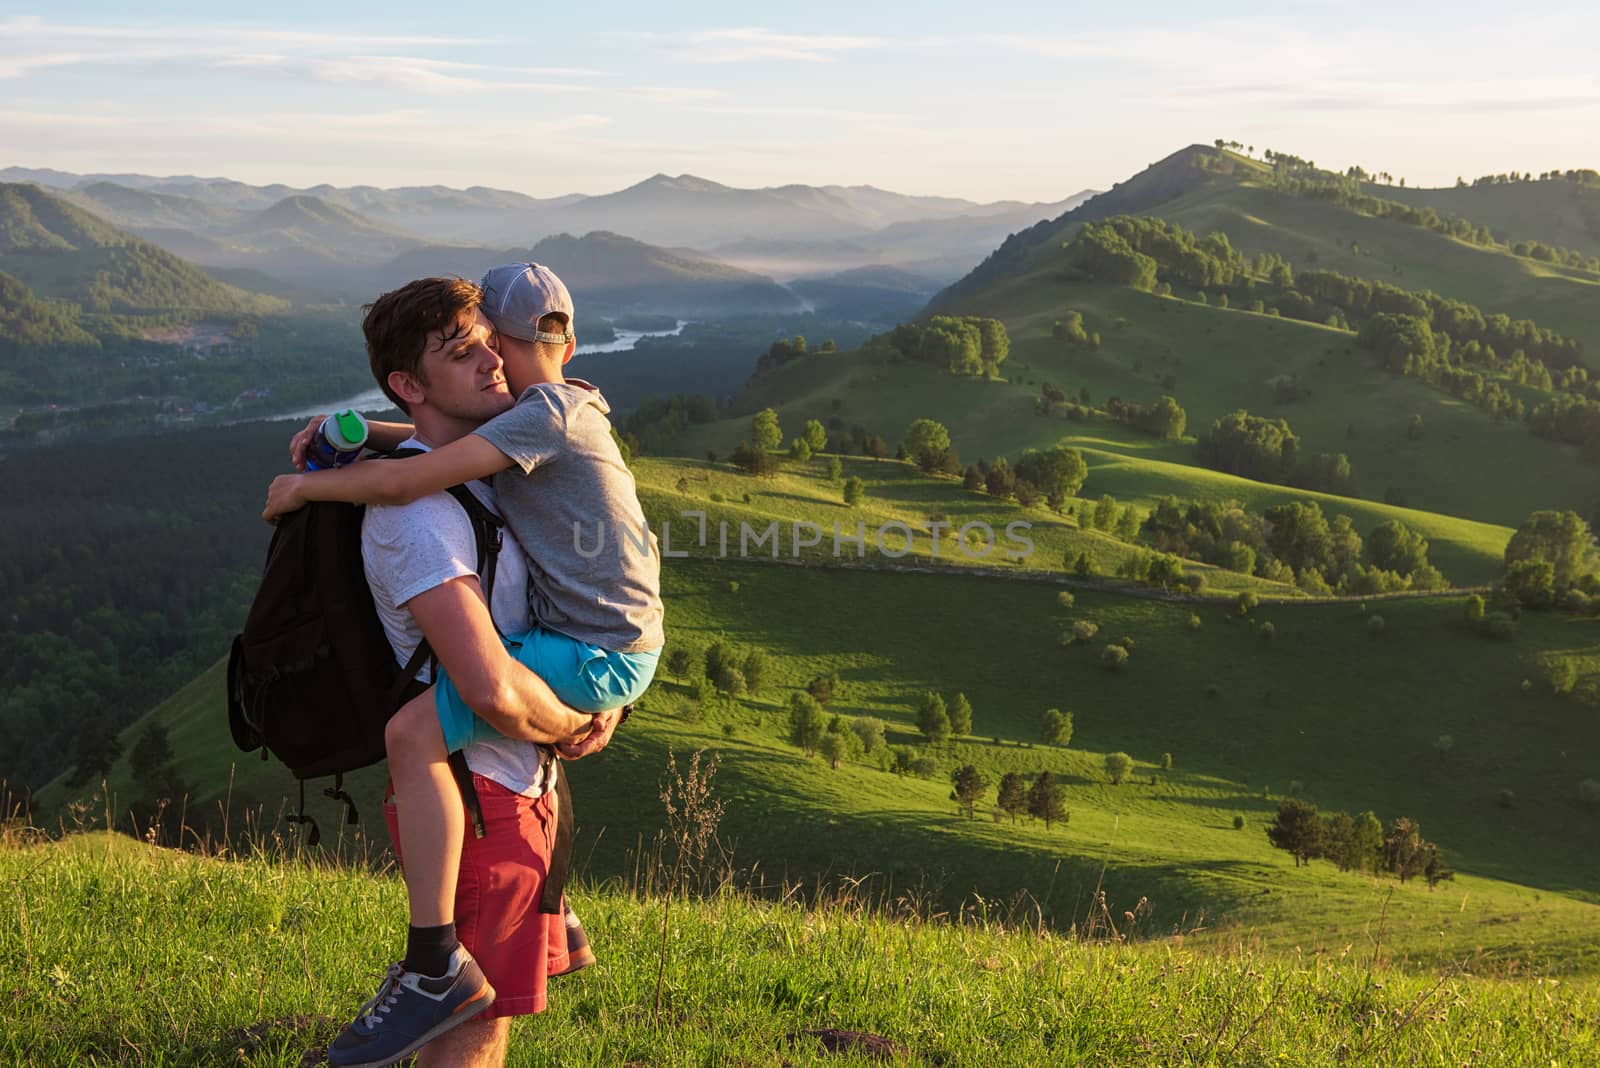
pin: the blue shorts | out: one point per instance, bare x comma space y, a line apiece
587, 677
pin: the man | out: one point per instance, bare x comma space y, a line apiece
430, 350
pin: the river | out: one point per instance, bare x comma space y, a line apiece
373, 400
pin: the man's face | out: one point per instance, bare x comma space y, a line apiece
464, 374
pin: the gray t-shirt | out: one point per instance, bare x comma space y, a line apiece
594, 566
412, 548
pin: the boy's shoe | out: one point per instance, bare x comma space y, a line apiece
579, 955
411, 1010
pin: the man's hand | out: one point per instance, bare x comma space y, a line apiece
283, 496
596, 739
300, 444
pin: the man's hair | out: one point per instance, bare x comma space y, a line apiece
398, 323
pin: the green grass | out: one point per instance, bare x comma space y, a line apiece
1350, 716
121, 954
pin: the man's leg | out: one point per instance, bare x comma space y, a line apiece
477, 1044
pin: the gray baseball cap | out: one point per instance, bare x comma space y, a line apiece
517, 295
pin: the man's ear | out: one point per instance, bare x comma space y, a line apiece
406, 387
572, 347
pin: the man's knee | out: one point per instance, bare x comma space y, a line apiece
413, 730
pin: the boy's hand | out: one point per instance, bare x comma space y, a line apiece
283, 496
601, 729
300, 444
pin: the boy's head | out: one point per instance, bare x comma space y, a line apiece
532, 312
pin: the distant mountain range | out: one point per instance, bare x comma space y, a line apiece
326, 238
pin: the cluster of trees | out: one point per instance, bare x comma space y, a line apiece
787, 350
962, 345
724, 669
657, 421
1357, 843
1164, 419
1550, 561
1054, 475
939, 720
1070, 331
1267, 450
1295, 542
1042, 799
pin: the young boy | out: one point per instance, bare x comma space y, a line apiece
594, 592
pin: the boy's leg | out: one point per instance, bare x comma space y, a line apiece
432, 827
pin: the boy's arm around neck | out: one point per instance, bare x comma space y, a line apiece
388, 481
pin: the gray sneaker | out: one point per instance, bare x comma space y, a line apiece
411, 1010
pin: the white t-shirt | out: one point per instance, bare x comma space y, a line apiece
412, 548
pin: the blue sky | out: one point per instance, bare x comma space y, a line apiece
991, 101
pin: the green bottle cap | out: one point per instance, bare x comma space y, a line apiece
351, 427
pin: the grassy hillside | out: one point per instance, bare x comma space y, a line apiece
1326, 708
1465, 464
62, 252
1557, 211
126, 954
1313, 233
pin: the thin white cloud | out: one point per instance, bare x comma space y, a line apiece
747, 44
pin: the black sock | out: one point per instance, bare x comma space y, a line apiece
428, 949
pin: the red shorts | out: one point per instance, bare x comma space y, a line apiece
497, 896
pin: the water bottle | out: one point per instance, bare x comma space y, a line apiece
338, 441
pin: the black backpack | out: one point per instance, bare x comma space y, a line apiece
312, 679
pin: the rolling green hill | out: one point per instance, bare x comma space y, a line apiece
1261, 209
1465, 463
62, 252
1559, 211
1326, 709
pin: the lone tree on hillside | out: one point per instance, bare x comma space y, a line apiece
765, 432
960, 712
870, 730
815, 435
95, 749
1045, 800
1118, 765
807, 722
833, 748
1297, 829
926, 443
854, 491
152, 763
679, 663
1012, 797
1056, 729
933, 720
823, 687
755, 670
969, 785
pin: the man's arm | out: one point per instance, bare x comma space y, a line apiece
506, 695
390, 482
